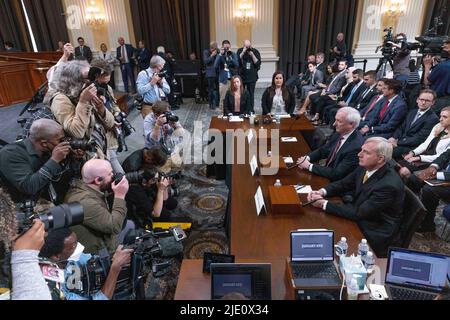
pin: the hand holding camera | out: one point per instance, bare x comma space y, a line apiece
88, 94
60, 152
120, 189
33, 239
121, 258
155, 79
163, 183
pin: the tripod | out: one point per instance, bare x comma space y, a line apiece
382, 67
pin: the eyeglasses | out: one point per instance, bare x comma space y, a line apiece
425, 100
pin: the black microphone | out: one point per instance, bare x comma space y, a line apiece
170, 247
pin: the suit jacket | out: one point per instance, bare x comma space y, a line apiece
393, 118
346, 159
337, 83
443, 162
321, 67
413, 135
87, 53
228, 104
267, 102
130, 52
143, 57
348, 91
364, 100
319, 77
377, 205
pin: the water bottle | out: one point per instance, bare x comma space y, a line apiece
342, 247
352, 290
363, 248
278, 183
278, 119
252, 119
369, 261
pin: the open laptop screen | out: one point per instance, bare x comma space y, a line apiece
418, 269
310, 246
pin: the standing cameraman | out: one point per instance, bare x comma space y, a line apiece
437, 77
161, 130
402, 56
227, 63
151, 86
209, 59
249, 65
101, 225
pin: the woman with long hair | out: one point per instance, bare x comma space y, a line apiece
237, 100
278, 99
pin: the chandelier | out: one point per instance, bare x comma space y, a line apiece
245, 13
94, 17
396, 8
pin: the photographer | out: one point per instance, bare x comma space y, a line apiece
21, 268
249, 65
152, 85
62, 248
437, 77
162, 129
101, 226
29, 167
149, 200
106, 93
402, 56
209, 59
78, 108
145, 159
226, 63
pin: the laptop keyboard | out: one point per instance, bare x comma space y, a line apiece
407, 294
314, 271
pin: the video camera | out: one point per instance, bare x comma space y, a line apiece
151, 254
387, 49
64, 216
85, 145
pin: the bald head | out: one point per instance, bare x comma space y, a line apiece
247, 44
94, 169
45, 129
121, 41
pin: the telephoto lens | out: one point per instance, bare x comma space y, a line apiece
64, 216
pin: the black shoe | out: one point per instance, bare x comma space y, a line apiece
427, 229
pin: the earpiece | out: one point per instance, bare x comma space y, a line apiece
100, 179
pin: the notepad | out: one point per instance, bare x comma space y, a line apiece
303, 189
288, 160
236, 119
289, 139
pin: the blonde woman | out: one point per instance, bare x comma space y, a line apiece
237, 100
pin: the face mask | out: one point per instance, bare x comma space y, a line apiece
77, 253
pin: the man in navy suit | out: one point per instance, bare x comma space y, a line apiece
370, 111
417, 126
143, 56
390, 115
341, 152
125, 54
378, 196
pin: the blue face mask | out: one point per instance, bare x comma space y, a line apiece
75, 257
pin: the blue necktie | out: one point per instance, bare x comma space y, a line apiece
352, 94
448, 168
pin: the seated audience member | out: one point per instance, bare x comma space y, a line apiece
312, 83
151, 86
331, 72
341, 153
297, 81
149, 201
278, 99
349, 96
165, 134
370, 80
145, 159
378, 199
416, 127
371, 110
392, 113
437, 76
334, 88
29, 168
436, 144
237, 100
107, 94
62, 248
80, 111
101, 226
19, 261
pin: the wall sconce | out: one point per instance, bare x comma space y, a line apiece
94, 17
245, 13
396, 8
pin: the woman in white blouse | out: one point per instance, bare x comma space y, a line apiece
107, 56
278, 99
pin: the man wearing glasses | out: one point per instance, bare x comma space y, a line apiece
417, 126
29, 168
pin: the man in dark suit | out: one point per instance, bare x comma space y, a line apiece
390, 115
379, 194
341, 152
83, 51
143, 56
370, 111
297, 81
316, 77
125, 54
320, 61
417, 126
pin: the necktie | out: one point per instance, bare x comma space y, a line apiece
371, 106
384, 110
313, 82
123, 55
352, 94
82, 51
335, 151
366, 177
448, 168
416, 118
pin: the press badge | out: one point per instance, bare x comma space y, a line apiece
249, 65
52, 273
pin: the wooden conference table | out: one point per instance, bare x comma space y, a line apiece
266, 238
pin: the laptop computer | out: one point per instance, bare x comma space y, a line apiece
253, 281
413, 275
312, 259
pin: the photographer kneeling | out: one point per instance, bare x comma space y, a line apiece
162, 129
62, 248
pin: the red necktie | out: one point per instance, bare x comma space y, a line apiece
371, 107
384, 110
335, 151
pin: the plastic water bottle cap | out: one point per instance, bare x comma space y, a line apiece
364, 241
343, 239
278, 181
370, 254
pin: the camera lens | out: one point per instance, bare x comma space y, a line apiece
63, 216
